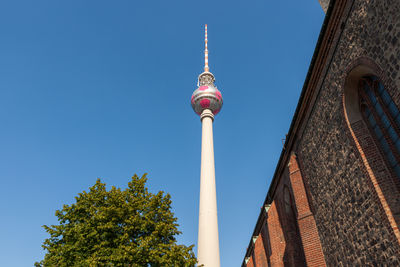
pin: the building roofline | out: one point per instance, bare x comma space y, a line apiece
291, 136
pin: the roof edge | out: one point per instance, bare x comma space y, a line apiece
291, 134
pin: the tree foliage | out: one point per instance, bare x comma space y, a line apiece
130, 227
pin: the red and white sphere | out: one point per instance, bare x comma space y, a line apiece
206, 97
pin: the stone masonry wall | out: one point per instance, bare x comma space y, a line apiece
350, 219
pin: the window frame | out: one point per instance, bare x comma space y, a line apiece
374, 83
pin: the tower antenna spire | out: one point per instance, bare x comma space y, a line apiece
207, 102
206, 68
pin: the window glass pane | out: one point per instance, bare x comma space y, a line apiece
385, 97
397, 170
370, 95
367, 112
392, 133
397, 145
393, 109
391, 159
371, 121
398, 120
380, 88
395, 115
378, 132
385, 145
379, 109
385, 121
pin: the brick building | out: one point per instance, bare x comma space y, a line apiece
334, 199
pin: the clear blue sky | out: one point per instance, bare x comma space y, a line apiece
102, 89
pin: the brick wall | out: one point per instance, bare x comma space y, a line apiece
346, 200
260, 252
305, 218
278, 243
352, 224
385, 182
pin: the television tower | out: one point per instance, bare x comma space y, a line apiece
207, 102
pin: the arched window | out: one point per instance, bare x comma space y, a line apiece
294, 253
382, 117
288, 202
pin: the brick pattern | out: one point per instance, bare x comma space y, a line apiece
260, 255
307, 226
353, 226
348, 198
250, 263
278, 242
383, 179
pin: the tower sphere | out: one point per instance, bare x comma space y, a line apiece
206, 96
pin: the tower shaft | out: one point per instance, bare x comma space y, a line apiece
208, 242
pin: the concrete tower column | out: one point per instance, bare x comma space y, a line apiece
207, 101
208, 243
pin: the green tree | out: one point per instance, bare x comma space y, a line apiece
130, 227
